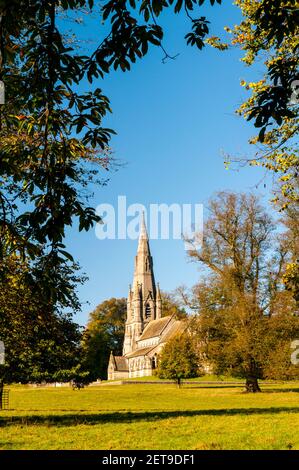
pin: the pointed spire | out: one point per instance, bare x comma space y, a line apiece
143, 231
143, 237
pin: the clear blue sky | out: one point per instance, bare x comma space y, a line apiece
174, 121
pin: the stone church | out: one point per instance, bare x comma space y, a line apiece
146, 330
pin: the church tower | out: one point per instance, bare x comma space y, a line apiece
144, 299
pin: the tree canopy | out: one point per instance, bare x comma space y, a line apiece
178, 359
52, 139
42, 343
171, 306
269, 32
245, 316
104, 333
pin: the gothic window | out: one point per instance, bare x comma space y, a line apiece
154, 362
147, 311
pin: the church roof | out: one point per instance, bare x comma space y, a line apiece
141, 351
155, 327
177, 327
121, 363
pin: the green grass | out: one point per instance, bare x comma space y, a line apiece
145, 416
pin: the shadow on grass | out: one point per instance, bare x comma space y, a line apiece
264, 388
280, 390
130, 417
213, 386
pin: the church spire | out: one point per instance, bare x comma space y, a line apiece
142, 230
144, 273
143, 244
143, 304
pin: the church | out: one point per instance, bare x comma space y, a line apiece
146, 329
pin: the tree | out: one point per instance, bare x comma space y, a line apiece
269, 31
42, 343
234, 339
171, 306
290, 219
239, 298
283, 328
236, 241
52, 141
104, 333
178, 359
53, 145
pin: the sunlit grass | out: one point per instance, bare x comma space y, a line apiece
148, 416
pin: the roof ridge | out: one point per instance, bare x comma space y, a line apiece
136, 351
155, 327
159, 319
166, 323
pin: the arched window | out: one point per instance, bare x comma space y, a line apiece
147, 311
154, 362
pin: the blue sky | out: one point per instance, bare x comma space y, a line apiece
174, 121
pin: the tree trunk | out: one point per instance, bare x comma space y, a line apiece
179, 382
252, 385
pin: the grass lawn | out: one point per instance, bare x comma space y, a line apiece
145, 416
